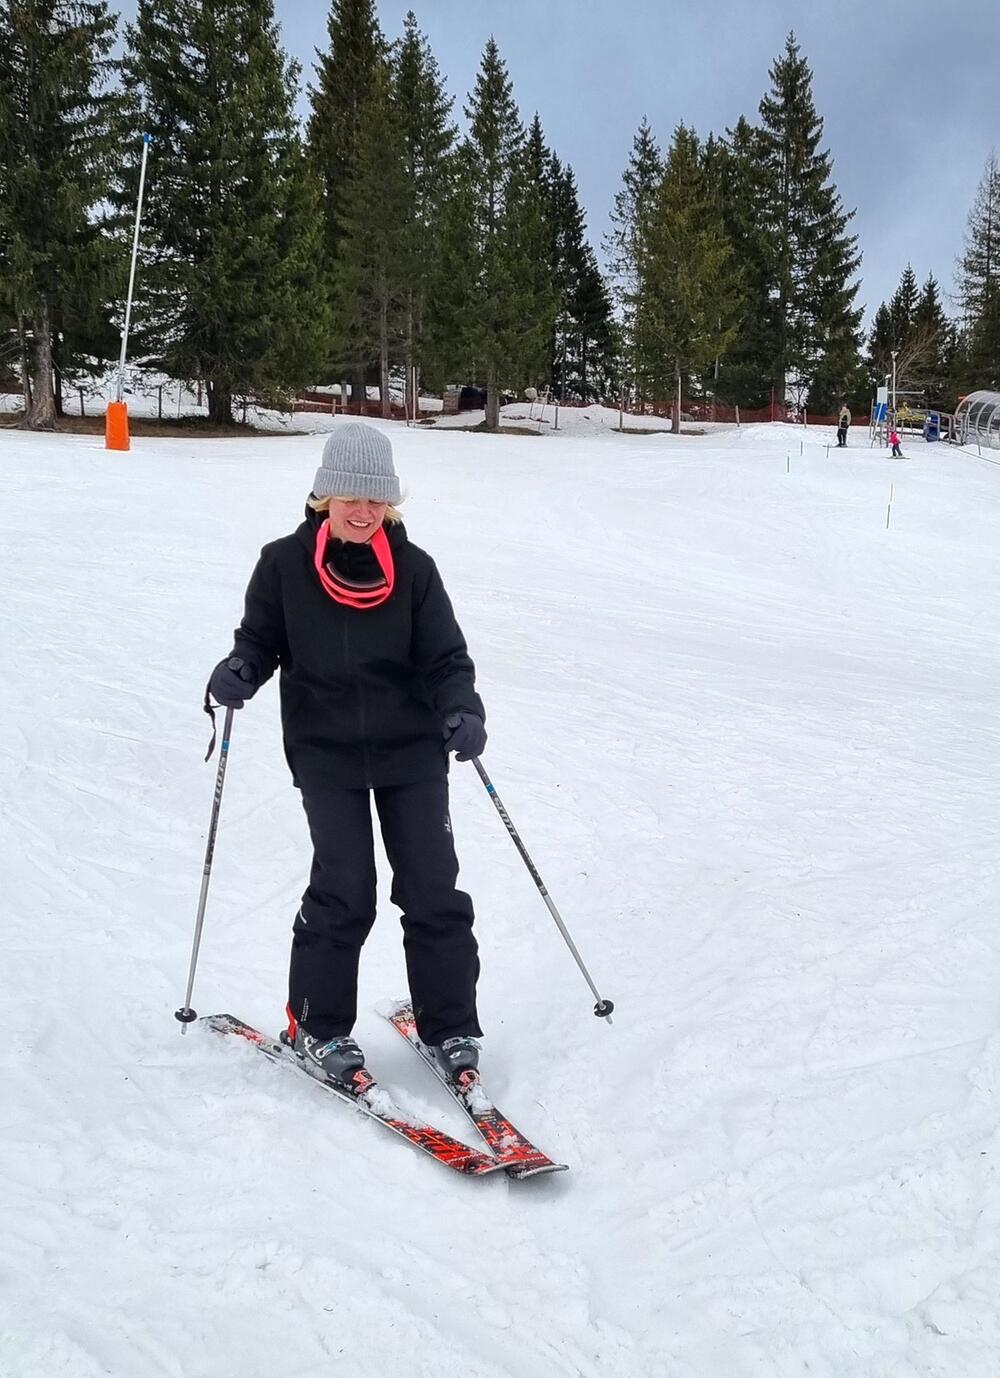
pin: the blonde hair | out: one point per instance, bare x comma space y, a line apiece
392, 514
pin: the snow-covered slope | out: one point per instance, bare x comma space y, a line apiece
751, 738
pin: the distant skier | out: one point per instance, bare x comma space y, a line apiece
897, 453
843, 424
376, 688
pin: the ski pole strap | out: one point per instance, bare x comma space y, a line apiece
209, 708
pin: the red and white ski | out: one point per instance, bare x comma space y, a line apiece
516, 1154
370, 1099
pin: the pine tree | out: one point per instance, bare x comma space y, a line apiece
979, 266
904, 304
979, 282
931, 323
568, 242
370, 292
583, 358
623, 244
735, 173
505, 305
539, 165
912, 333
686, 265
345, 74
60, 126
231, 294
815, 341
881, 343
427, 135
594, 373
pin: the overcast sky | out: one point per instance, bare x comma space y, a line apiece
908, 89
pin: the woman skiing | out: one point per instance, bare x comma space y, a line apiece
376, 688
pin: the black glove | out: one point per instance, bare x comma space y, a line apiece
233, 681
465, 734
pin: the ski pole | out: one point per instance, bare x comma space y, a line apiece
186, 1014
603, 1008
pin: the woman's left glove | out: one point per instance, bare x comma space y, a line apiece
465, 734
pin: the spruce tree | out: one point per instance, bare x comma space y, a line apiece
979, 266
427, 137
881, 343
979, 283
813, 260
370, 292
567, 241
539, 163
623, 245
686, 265
583, 336
594, 360
931, 323
345, 74
230, 288
504, 315
735, 173
60, 127
904, 304
913, 327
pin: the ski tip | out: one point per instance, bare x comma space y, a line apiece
540, 1170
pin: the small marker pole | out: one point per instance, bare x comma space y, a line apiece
888, 510
788, 463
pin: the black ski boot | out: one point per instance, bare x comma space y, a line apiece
458, 1059
337, 1060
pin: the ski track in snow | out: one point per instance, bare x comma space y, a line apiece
750, 737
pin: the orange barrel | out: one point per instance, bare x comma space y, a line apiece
116, 426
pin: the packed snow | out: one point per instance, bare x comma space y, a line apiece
749, 733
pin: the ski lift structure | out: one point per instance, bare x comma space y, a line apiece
977, 420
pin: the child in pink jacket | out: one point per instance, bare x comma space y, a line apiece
894, 442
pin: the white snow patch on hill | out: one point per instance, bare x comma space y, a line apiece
751, 739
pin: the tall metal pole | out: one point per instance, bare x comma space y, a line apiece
131, 277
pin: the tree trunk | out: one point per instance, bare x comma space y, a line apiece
383, 358
41, 414
25, 364
675, 425
492, 400
410, 388
220, 404
359, 389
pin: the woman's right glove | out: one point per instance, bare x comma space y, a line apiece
233, 681
464, 734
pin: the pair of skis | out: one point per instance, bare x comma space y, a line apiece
507, 1150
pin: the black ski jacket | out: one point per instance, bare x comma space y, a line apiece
364, 693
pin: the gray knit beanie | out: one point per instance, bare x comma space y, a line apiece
357, 463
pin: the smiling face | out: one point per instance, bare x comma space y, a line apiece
355, 519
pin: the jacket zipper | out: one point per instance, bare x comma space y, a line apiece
362, 719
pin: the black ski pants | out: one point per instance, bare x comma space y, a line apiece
338, 910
